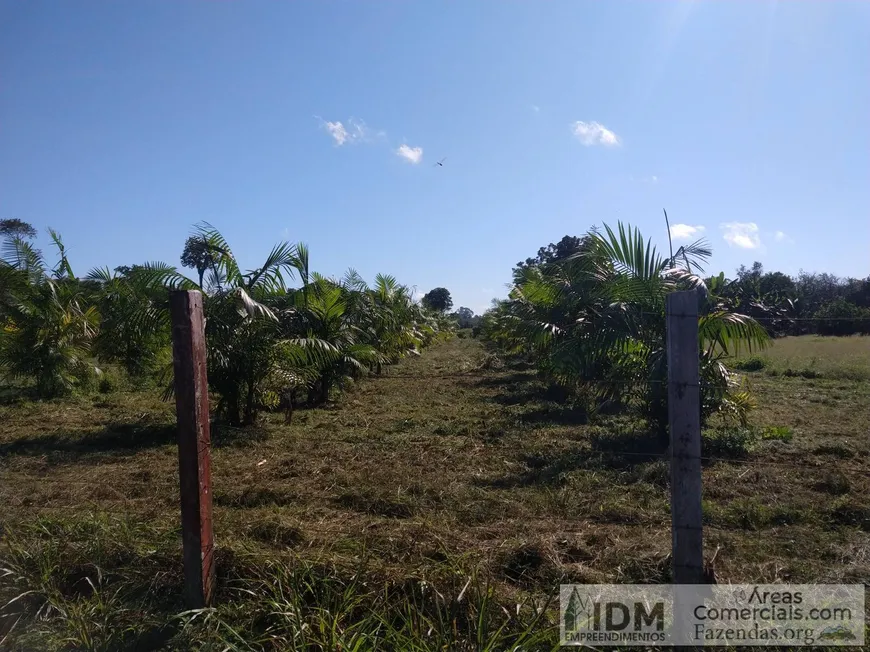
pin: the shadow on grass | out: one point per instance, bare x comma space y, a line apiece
616, 453
122, 439
631, 450
507, 379
223, 435
126, 438
556, 414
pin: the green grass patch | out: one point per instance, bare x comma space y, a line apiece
811, 356
777, 433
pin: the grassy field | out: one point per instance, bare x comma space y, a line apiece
812, 356
425, 510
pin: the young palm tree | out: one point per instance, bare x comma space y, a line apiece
140, 343
322, 323
387, 315
48, 327
596, 322
243, 333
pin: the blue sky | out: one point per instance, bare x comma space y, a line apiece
122, 124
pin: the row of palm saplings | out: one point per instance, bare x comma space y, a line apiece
267, 342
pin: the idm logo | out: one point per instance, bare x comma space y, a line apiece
612, 616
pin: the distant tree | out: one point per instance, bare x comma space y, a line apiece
465, 317
748, 284
815, 290
553, 252
839, 317
776, 285
14, 227
198, 255
438, 299
859, 292
128, 270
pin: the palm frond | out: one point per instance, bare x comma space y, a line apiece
248, 307
284, 256
62, 269
23, 256
730, 332
222, 254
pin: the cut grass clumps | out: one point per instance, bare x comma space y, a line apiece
254, 497
752, 514
834, 482
752, 363
777, 433
529, 566
728, 442
375, 505
802, 373
276, 532
835, 450
847, 511
656, 473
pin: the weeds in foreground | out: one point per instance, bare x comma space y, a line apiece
81, 585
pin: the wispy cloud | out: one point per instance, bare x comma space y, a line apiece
781, 236
686, 231
350, 132
536, 108
741, 234
594, 133
337, 131
411, 154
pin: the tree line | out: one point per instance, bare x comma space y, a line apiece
810, 302
267, 342
807, 303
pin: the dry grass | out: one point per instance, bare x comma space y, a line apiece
450, 466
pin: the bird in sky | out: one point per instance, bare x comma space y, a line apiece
441, 162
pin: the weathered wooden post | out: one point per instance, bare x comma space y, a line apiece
194, 443
684, 417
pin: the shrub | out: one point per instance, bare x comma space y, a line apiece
107, 384
752, 363
778, 433
732, 443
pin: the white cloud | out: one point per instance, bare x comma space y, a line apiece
354, 131
337, 131
411, 154
781, 236
594, 133
741, 234
686, 231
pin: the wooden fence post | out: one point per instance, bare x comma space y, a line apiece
684, 417
194, 455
